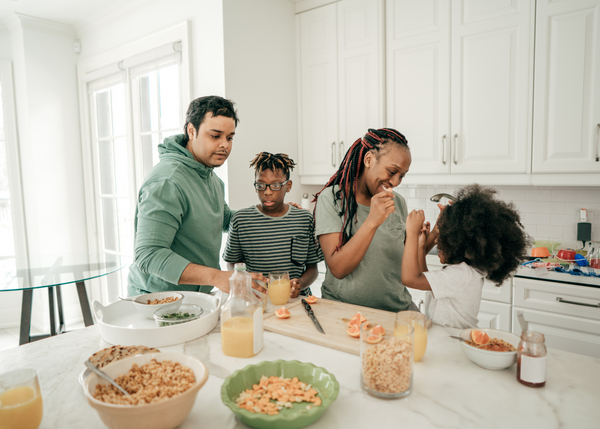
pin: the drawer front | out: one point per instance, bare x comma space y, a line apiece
560, 298
495, 315
418, 297
568, 333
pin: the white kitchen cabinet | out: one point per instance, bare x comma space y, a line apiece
568, 315
495, 315
566, 132
341, 82
459, 83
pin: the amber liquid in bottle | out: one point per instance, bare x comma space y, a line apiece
526, 383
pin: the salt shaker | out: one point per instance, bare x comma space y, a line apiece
531, 359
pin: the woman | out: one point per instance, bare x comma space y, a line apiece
360, 224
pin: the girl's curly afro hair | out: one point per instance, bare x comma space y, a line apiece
484, 232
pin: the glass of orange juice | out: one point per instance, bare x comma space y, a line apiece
20, 400
417, 320
279, 287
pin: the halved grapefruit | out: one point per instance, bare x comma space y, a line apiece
378, 330
282, 313
311, 299
354, 331
479, 337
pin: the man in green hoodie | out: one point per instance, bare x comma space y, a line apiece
181, 212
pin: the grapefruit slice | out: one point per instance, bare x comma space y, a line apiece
311, 299
282, 313
378, 330
357, 319
354, 331
479, 337
365, 326
373, 339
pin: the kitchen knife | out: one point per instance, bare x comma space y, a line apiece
312, 316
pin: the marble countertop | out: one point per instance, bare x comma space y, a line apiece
449, 390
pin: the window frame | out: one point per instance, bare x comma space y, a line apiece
95, 66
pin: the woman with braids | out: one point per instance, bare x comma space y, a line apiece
272, 235
360, 224
479, 237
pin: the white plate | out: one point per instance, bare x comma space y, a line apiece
121, 324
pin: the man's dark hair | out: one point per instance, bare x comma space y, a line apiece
199, 107
484, 232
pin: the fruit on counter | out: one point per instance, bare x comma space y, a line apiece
479, 337
378, 330
373, 339
366, 325
282, 313
311, 299
354, 331
357, 319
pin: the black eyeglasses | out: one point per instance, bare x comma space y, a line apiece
272, 186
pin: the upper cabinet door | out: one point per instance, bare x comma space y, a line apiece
566, 135
318, 93
492, 70
360, 69
418, 79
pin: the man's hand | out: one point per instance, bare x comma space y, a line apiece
258, 280
298, 206
295, 288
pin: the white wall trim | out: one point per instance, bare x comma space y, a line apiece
31, 22
304, 5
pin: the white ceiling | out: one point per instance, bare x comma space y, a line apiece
70, 12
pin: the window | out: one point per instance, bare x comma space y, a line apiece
134, 101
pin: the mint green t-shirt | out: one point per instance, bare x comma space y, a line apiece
376, 281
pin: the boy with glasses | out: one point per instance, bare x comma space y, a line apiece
272, 235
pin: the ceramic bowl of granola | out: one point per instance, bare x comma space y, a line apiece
169, 386
149, 303
243, 390
499, 353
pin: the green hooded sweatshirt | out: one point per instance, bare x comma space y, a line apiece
180, 218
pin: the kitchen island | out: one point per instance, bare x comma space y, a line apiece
449, 390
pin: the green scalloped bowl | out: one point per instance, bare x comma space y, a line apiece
288, 418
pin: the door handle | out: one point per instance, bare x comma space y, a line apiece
341, 154
559, 299
444, 149
455, 149
333, 154
598, 143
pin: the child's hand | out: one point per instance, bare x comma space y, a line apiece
296, 287
424, 234
414, 221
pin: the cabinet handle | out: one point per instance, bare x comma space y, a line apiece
598, 143
341, 151
444, 149
333, 154
455, 149
559, 299
420, 305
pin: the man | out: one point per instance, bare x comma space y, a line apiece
181, 212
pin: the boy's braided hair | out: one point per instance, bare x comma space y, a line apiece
350, 169
484, 232
273, 161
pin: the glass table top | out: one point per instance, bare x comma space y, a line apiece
44, 271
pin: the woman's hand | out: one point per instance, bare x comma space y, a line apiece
296, 287
382, 205
415, 221
424, 234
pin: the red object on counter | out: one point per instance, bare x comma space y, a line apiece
566, 255
595, 263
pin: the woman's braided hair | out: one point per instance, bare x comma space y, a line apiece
346, 178
273, 161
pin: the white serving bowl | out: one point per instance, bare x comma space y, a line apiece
486, 358
166, 414
148, 310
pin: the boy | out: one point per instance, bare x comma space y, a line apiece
272, 235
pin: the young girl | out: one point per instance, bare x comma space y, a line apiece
480, 238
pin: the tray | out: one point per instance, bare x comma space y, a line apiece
121, 324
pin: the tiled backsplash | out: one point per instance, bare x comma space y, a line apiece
548, 213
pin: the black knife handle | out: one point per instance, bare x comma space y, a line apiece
307, 306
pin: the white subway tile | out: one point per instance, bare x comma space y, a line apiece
530, 229
535, 218
567, 220
538, 195
527, 206
512, 195
551, 207
545, 232
425, 193
575, 196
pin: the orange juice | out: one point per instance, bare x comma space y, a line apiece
420, 338
20, 408
279, 291
237, 337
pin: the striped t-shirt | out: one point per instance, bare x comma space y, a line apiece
267, 244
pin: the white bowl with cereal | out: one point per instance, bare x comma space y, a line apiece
503, 341
180, 377
148, 303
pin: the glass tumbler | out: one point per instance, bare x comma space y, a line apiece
417, 320
386, 362
279, 287
20, 400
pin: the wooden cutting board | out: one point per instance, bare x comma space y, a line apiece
334, 317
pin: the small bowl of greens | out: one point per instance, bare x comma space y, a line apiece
174, 315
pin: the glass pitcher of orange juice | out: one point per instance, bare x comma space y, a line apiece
20, 400
417, 320
241, 317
